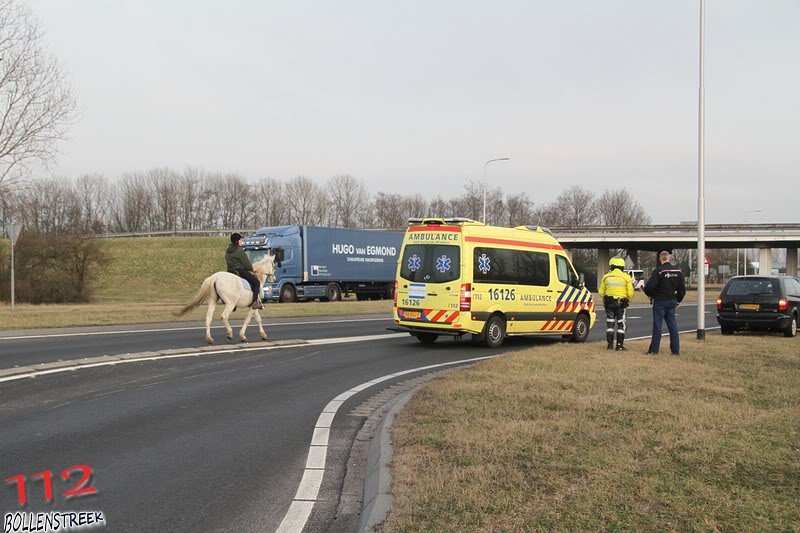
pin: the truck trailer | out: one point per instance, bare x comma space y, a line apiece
314, 262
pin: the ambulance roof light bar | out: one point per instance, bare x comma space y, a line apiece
440, 221
537, 228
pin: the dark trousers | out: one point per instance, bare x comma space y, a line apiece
664, 310
615, 320
251, 279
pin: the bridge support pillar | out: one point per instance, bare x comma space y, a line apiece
603, 257
765, 261
569, 253
791, 262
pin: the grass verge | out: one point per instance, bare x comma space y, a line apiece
105, 314
574, 438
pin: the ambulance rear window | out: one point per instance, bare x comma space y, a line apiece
431, 263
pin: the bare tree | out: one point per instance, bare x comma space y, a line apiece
389, 211
576, 206
94, 198
348, 198
36, 101
618, 207
270, 209
133, 204
303, 199
236, 201
518, 211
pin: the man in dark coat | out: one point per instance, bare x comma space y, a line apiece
666, 288
238, 263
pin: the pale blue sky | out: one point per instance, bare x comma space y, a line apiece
416, 95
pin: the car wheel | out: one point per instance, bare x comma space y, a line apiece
427, 338
333, 293
580, 329
494, 332
791, 329
288, 293
726, 331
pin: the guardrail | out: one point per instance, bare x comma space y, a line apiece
676, 228
174, 233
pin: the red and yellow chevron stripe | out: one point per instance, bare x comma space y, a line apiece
436, 316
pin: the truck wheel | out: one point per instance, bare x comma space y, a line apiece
580, 329
494, 332
427, 338
333, 293
288, 293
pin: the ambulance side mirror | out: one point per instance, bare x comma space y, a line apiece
581, 281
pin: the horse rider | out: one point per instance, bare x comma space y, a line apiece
617, 291
239, 264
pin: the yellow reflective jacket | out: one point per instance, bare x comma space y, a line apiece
617, 284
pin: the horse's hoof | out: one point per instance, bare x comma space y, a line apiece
230, 337
210, 342
263, 337
242, 340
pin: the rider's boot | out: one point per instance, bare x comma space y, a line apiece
257, 303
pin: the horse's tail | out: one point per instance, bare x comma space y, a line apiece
202, 295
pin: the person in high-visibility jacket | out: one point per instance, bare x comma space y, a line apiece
617, 291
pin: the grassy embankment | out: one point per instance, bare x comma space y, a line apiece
148, 278
574, 438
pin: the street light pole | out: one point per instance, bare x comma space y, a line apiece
746, 222
701, 207
484, 182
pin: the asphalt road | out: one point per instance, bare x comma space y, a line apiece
43, 346
215, 443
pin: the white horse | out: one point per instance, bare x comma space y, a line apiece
234, 292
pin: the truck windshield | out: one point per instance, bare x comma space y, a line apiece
431, 263
255, 255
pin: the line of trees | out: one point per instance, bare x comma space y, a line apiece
162, 199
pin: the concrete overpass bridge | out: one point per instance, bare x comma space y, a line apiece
654, 238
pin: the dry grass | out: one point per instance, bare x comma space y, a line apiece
574, 438
104, 314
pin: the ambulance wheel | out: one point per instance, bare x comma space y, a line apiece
427, 338
580, 329
494, 331
288, 293
333, 293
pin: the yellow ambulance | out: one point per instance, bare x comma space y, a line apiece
457, 277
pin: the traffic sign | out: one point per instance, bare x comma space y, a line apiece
13, 229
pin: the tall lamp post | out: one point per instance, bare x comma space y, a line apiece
484, 182
746, 222
701, 206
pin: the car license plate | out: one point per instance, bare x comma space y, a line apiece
749, 307
413, 315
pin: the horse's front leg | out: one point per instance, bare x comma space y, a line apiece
260, 326
247, 319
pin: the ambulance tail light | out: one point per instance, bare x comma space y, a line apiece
394, 293
465, 302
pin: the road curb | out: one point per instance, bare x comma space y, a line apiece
378, 482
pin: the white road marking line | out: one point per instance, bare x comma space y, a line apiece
188, 328
667, 334
341, 340
307, 492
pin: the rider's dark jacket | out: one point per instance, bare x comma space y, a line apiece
235, 258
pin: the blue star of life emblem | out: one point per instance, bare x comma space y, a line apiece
443, 264
484, 264
413, 263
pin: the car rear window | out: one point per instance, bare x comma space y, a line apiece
753, 287
431, 263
